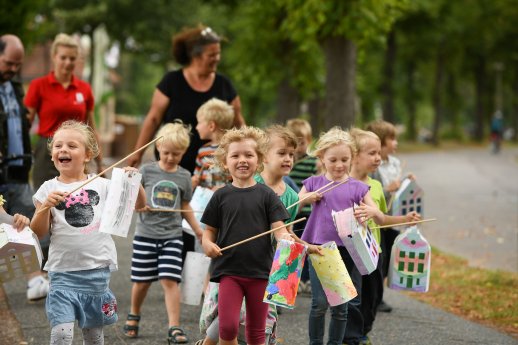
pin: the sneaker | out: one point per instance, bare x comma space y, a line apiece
384, 307
365, 340
37, 288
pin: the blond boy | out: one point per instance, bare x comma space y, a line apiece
214, 118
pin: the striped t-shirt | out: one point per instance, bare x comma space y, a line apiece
302, 169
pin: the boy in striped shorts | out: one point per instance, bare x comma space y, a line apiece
157, 245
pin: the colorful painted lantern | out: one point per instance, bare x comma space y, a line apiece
333, 275
284, 279
410, 262
358, 240
408, 198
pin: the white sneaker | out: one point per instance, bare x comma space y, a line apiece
37, 288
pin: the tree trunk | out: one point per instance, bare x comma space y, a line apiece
437, 97
340, 55
315, 115
411, 102
514, 116
288, 101
480, 85
452, 104
388, 79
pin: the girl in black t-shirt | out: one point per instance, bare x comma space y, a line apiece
236, 212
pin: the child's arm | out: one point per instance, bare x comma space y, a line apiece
311, 197
393, 186
195, 180
282, 233
210, 248
191, 219
40, 222
19, 220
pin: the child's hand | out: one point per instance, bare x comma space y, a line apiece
211, 249
413, 216
365, 212
411, 176
54, 198
393, 186
130, 170
146, 208
20, 222
313, 197
284, 236
314, 249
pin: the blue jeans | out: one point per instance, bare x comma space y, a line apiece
317, 315
355, 322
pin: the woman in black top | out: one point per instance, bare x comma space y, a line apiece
180, 93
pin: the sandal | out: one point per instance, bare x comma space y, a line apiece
176, 335
131, 328
199, 342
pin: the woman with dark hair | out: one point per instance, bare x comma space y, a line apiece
180, 93
178, 96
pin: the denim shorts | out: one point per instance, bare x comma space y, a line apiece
83, 296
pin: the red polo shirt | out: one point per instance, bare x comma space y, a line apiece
55, 104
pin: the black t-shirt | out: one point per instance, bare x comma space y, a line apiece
240, 213
184, 103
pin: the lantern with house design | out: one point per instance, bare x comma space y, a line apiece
408, 198
20, 253
410, 262
357, 239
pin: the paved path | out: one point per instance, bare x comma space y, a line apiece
411, 322
474, 194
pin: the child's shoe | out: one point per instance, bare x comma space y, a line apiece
384, 307
37, 288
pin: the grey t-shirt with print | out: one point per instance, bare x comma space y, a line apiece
164, 190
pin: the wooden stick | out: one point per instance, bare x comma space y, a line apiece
391, 200
263, 233
406, 223
309, 194
105, 170
171, 210
333, 187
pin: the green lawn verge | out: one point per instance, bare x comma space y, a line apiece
489, 297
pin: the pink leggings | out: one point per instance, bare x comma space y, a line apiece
232, 289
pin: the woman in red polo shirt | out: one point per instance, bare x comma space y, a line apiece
55, 98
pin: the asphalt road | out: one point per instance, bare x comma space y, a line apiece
474, 195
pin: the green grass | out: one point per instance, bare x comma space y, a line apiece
485, 296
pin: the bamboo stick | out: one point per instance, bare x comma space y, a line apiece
171, 210
405, 223
263, 233
105, 171
309, 194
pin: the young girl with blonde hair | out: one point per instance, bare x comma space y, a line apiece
80, 257
335, 150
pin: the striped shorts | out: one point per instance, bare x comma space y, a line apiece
155, 259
